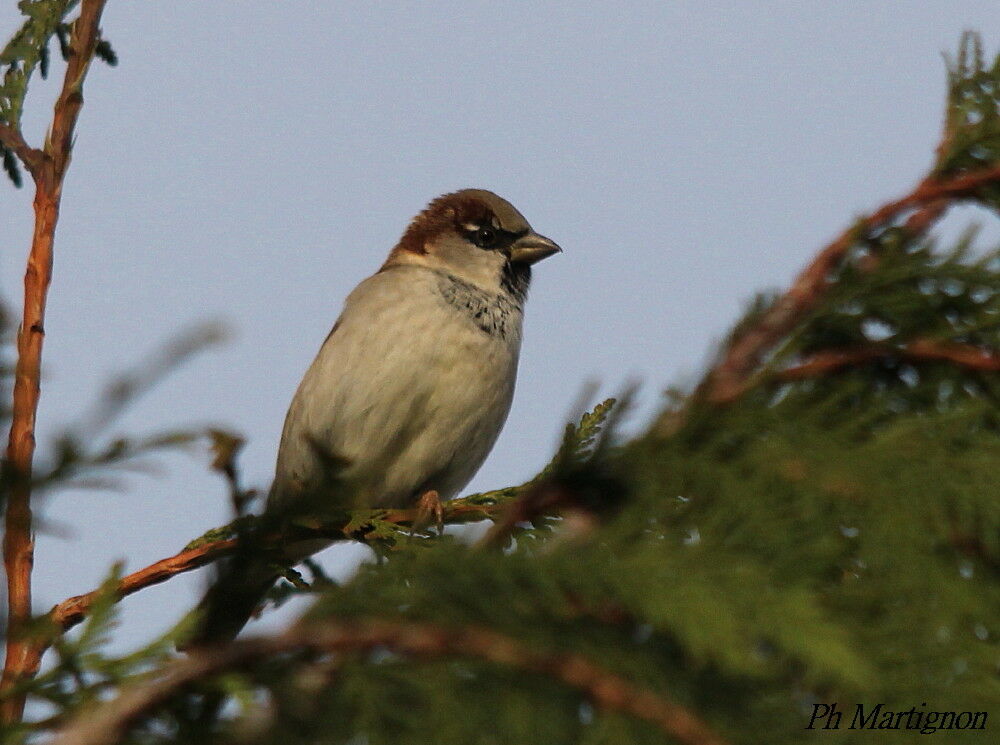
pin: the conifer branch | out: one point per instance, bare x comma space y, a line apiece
68, 613
606, 690
369, 526
727, 380
48, 169
831, 360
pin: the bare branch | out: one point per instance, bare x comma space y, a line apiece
72, 611
86, 33
23, 656
108, 722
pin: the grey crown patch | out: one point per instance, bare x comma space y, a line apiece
494, 313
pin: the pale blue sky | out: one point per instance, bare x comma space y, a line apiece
251, 162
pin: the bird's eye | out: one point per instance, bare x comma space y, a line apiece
484, 237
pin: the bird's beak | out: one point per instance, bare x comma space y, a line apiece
531, 248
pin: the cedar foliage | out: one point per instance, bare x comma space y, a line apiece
831, 537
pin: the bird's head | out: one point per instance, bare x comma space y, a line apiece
476, 236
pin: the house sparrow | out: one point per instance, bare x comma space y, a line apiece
411, 388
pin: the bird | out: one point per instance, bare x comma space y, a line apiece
410, 390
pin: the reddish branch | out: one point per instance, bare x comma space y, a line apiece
831, 360
72, 611
727, 380
48, 168
606, 690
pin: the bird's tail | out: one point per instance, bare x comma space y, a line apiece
231, 600
243, 580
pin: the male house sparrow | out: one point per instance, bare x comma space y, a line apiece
412, 386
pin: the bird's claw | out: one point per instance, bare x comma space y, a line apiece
428, 506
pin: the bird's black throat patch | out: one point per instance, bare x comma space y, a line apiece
515, 278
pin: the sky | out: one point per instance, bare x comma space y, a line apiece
249, 163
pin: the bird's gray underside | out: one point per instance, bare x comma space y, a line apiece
413, 378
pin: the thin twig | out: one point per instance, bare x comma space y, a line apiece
72, 611
86, 33
47, 168
107, 722
727, 380
831, 360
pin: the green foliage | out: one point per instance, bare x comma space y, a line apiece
767, 557
972, 125
833, 538
81, 673
78, 670
27, 50
580, 444
10, 167
104, 52
892, 293
83, 455
917, 293
581, 440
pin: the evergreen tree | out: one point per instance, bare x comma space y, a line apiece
812, 527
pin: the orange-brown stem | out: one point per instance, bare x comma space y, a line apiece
18, 543
69, 612
47, 167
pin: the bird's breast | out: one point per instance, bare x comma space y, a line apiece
411, 389
496, 314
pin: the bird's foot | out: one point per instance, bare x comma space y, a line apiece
428, 506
